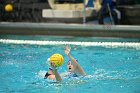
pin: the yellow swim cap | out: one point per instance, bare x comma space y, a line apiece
57, 59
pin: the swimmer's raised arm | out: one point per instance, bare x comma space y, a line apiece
77, 68
67, 52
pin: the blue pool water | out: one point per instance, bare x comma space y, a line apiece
109, 69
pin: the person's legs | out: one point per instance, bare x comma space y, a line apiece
118, 15
114, 16
101, 16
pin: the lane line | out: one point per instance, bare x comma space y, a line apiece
105, 44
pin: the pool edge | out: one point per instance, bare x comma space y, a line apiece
87, 30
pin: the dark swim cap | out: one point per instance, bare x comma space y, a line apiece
69, 62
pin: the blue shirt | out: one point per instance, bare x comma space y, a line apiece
105, 3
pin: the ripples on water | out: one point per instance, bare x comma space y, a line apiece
109, 70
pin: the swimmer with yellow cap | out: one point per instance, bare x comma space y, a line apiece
56, 60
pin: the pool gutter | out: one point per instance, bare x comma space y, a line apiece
124, 31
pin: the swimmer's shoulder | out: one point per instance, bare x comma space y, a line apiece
69, 74
42, 74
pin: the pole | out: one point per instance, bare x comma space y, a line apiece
111, 18
84, 12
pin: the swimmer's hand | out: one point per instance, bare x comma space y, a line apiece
67, 50
57, 75
53, 66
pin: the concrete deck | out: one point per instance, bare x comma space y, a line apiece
124, 31
68, 16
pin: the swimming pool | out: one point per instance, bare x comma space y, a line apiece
112, 64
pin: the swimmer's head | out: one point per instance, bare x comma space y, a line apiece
70, 66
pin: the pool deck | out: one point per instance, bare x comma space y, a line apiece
60, 29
